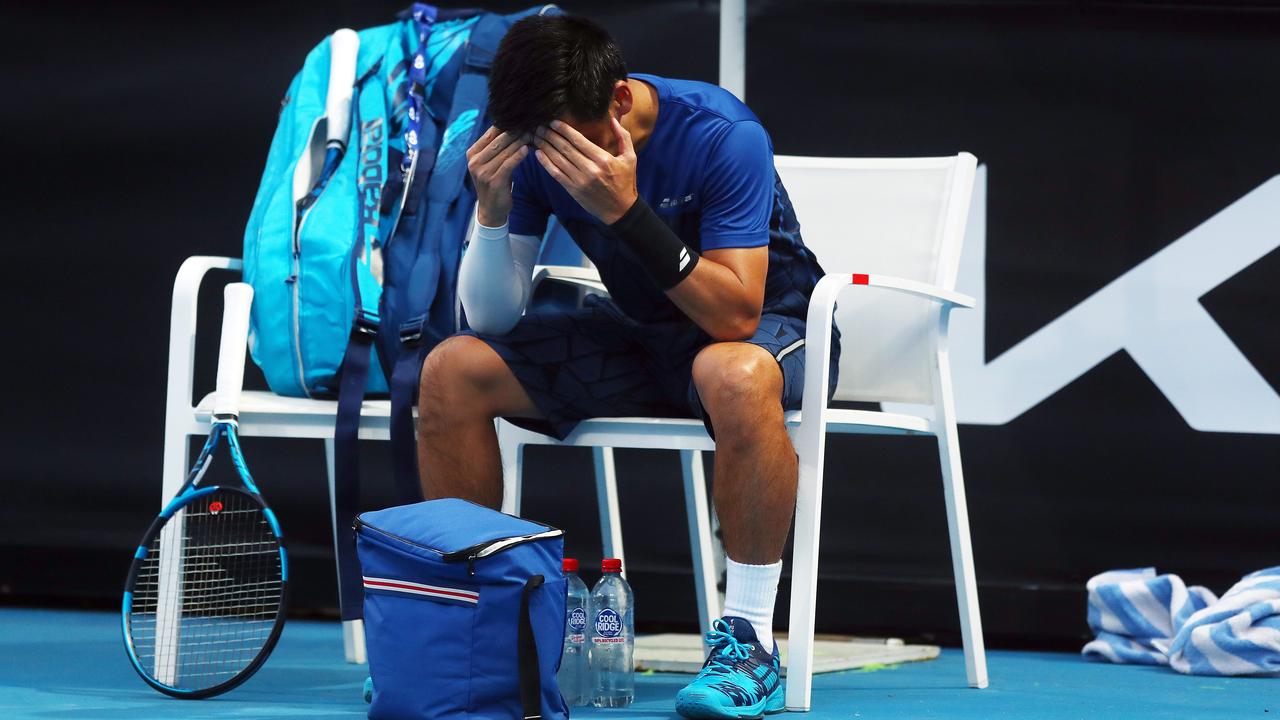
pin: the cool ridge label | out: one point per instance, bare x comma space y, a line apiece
608, 627
577, 623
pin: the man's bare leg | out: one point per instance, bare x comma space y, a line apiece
755, 474
463, 387
756, 469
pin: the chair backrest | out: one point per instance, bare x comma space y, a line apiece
903, 217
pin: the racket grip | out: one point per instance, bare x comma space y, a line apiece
237, 299
344, 46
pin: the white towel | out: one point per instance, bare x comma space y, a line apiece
1140, 617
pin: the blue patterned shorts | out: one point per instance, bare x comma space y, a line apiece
597, 362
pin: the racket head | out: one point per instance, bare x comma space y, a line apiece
229, 602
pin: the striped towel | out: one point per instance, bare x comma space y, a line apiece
1144, 618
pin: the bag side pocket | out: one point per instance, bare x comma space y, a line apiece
421, 633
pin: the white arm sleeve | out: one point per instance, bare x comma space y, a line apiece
495, 278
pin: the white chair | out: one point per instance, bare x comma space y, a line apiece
895, 228
263, 413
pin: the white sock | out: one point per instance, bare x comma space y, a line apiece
750, 592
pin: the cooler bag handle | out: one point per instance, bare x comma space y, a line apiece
530, 676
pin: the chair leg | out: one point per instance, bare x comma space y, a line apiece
607, 500
699, 515
975, 657
804, 570
512, 452
177, 459
352, 630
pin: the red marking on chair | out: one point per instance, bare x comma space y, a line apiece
861, 279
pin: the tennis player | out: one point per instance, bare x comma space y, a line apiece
668, 186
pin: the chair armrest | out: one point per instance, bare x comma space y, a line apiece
182, 327
581, 276
913, 287
822, 306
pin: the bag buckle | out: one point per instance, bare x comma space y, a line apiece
412, 331
366, 323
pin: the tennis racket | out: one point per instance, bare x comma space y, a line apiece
344, 46
205, 599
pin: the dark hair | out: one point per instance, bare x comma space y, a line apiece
549, 66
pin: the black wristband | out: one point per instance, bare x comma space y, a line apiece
664, 256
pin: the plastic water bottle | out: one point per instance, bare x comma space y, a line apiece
612, 629
575, 672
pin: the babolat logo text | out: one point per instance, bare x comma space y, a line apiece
370, 180
670, 202
608, 626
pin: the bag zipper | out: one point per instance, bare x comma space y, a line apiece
468, 554
295, 225
295, 305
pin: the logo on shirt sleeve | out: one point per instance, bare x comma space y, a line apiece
675, 201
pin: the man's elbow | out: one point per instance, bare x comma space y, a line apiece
496, 327
492, 307
735, 329
491, 323
490, 328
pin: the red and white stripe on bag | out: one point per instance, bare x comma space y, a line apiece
412, 588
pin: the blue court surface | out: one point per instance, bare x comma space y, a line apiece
61, 664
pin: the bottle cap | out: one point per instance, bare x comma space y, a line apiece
570, 565
611, 565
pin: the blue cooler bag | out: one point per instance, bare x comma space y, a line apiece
463, 611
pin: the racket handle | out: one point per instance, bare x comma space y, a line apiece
344, 46
237, 299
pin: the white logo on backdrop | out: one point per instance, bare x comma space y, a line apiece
1152, 312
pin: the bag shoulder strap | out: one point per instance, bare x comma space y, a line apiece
470, 97
370, 127
530, 675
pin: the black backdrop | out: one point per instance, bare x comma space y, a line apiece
134, 136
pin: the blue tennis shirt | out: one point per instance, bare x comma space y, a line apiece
707, 171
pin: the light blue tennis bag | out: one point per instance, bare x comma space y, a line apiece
305, 303
392, 217
464, 613
351, 294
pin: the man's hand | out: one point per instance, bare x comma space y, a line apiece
491, 161
604, 184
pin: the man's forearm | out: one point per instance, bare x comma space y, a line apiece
495, 278
723, 299
718, 301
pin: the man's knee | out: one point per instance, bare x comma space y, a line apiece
456, 376
737, 381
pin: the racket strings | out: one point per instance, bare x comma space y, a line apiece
208, 621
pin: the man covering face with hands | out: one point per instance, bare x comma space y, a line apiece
668, 186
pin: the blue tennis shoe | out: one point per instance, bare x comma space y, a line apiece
740, 678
